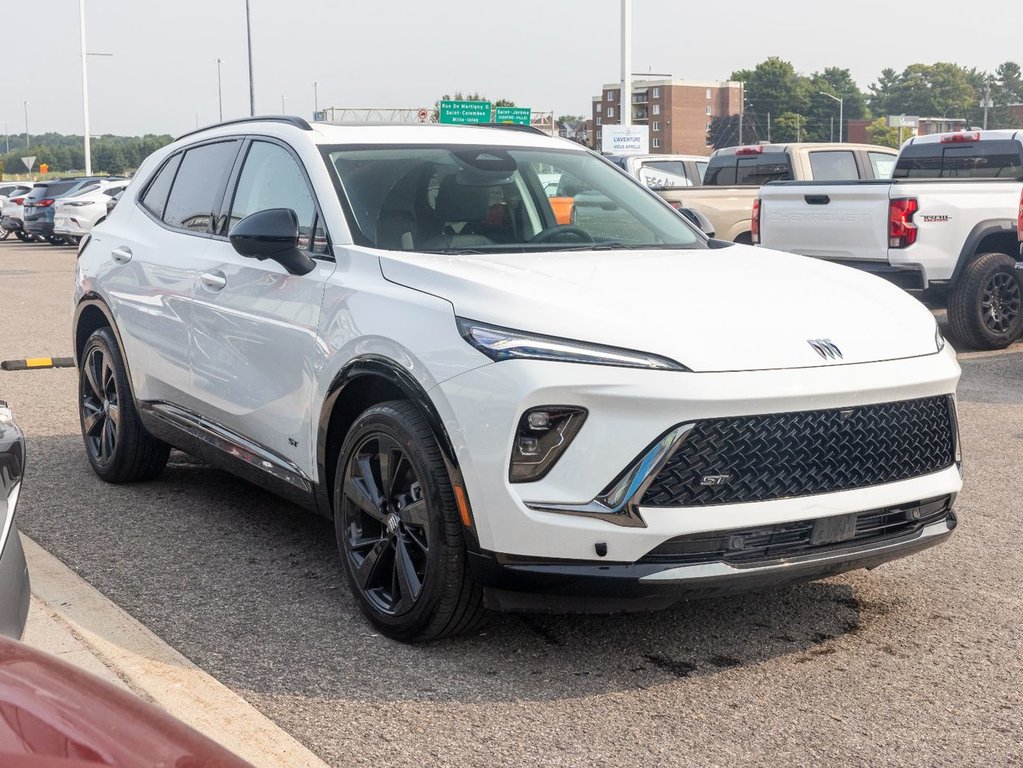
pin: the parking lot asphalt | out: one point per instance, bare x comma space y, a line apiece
915, 663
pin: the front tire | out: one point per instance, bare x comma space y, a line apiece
119, 448
399, 531
985, 308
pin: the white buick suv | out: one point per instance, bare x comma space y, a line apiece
513, 377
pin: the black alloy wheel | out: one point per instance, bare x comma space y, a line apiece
401, 538
388, 531
1000, 301
4, 233
21, 236
117, 445
101, 406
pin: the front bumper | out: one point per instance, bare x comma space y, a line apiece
627, 411
518, 584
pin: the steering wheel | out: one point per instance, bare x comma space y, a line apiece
557, 230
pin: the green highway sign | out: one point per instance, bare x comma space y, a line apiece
520, 115
465, 112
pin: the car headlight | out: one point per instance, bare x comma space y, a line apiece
506, 344
939, 337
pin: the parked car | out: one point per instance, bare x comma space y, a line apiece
388, 325
56, 715
76, 213
5, 191
945, 228
660, 172
14, 584
734, 174
113, 200
39, 210
12, 211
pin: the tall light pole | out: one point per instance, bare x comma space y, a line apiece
7, 137
283, 110
27, 143
85, 90
841, 107
252, 86
316, 99
626, 103
220, 90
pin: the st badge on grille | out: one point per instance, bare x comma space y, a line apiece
826, 348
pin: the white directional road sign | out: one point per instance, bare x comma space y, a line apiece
29, 161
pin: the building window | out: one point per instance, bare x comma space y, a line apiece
656, 126
708, 93
609, 96
600, 107
655, 142
598, 135
610, 111
657, 109
709, 110
598, 119
656, 93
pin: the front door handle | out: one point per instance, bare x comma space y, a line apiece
213, 280
121, 254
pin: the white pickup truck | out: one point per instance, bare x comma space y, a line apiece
946, 226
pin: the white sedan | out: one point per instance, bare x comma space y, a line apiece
75, 216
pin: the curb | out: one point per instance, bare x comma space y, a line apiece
155, 671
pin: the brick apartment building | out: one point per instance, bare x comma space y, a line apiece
678, 112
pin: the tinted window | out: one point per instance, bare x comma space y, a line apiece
156, 196
272, 178
967, 160
199, 185
720, 173
882, 164
838, 165
757, 169
53, 189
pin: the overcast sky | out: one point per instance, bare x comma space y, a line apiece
547, 54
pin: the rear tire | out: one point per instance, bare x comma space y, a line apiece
985, 308
119, 448
21, 236
398, 529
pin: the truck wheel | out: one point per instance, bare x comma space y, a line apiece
985, 308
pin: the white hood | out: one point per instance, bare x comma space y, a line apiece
728, 309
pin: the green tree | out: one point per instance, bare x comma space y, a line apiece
1009, 82
788, 126
879, 132
883, 91
724, 131
774, 87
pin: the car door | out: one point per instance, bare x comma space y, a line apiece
151, 268
254, 351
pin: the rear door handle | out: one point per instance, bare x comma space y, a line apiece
121, 254
817, 199
214, 281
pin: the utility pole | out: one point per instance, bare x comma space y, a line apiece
316, 99
987, 103
799, 136
283, 110
768, 127
252, 86
27, 143
7, 137
220, 90
742, 110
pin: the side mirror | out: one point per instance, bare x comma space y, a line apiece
272, 234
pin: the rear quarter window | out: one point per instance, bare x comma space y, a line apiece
968, 160
833, 165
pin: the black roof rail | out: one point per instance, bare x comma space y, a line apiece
510, 127
294, 120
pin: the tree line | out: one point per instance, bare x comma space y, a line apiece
66, 154
784, 105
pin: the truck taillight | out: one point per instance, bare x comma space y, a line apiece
960, 137
754, 226
756, 149
901, 229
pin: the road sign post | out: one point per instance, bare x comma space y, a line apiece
464, 112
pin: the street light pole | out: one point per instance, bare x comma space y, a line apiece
85, 90
252, 86
841, 114
27, 142
220, 90
316, 99
626, 103
283, 110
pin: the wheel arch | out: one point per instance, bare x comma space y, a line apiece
91, 313
361, 383
992, 236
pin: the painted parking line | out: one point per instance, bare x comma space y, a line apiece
30, 363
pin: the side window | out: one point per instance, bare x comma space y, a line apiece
833, 166
198, 185
156, 196
272, 178
882, 164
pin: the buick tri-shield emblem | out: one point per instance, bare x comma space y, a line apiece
826, 348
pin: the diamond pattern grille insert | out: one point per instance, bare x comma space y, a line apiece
786, 455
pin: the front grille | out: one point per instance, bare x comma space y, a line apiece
784, 455
771, 542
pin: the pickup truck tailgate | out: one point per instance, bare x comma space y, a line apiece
832, 220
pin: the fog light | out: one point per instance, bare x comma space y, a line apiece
541, 438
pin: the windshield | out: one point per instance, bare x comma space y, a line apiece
482, 199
